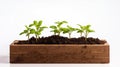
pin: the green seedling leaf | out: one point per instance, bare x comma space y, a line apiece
60, 23
40, 23
65, 30
53, 27
22, 33
35, 22
81, 27
91, 31
44, 27
26, 31
32, 31
87, 26
79, 31
31, 25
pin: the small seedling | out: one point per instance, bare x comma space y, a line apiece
27, 31
37, 30
84, 29
80, 29
87, 30
57, 28
68, 30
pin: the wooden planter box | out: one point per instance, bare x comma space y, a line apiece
27, 53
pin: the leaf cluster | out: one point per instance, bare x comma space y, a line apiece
35, 28
57, 27
68, 30
84, 29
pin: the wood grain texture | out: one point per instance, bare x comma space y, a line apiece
59, 53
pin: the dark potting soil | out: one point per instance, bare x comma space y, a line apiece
55, 39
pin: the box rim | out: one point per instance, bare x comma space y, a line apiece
13, 44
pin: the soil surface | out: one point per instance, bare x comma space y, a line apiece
55, 39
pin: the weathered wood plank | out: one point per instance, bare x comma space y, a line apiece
59, 53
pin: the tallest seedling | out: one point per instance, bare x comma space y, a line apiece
35, 28
38, 28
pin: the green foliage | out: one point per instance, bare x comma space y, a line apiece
80, 29
84, 29
87, 30
27, 31
68, 30
38, 28
57, 28
34, 28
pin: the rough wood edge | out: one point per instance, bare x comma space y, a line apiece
13, 44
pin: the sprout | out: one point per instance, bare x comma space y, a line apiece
27, 31
84, 29
68, 30
87, 30
57, 28
37, 30
80, 30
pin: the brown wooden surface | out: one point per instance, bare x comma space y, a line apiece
59, 53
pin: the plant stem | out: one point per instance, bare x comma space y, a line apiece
54, 33
28, 37
59, 34
36, 37
81, 34
86, 34
69, 35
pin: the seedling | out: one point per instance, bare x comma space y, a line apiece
80, 29
68, 30
37, 30
84, 29
87, 30
57, 28
27, 31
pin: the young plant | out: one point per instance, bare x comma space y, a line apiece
80, 29
84, 29
87, 30
68, 30
27, 31
57, 28
38, 28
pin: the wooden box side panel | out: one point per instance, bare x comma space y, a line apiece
59, 54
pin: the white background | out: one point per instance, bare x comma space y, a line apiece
103, 15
